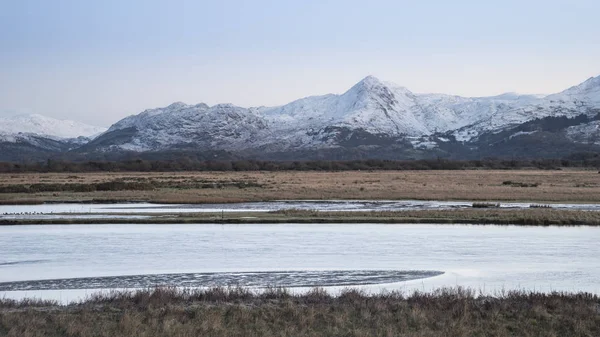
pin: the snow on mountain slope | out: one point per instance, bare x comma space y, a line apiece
586, 94
443, 113
383, 107
586, 133
223, 126
45, 126
372, 106
577, 100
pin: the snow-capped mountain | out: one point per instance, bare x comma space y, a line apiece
36, 137
371, 107
18, 126
577, 100
372, 119
222, 126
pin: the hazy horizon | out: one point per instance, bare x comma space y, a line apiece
99, 62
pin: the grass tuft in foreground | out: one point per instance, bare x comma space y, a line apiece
277, 312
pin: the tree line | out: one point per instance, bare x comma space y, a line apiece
588, 160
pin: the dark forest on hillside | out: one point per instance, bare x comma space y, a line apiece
582, 160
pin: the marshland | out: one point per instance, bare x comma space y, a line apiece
304, 253
277, 312
531, 185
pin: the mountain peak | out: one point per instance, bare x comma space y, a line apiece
591, 84
29, 117
368, 85
371, 81
177, 105
37, 116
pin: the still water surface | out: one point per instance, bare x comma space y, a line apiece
487, 258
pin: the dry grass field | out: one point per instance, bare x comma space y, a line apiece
211, 187
238, 312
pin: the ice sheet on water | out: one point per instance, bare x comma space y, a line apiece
289, 279
494, 257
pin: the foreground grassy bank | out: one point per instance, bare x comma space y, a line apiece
275, 312
528, 217
226, 187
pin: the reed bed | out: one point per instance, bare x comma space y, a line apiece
531, 216
276, 312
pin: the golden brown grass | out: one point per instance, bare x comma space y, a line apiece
533, 216
238, 312
474, 185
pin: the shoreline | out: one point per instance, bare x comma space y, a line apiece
23, 202
520, 217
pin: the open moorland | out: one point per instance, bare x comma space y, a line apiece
547, 186
276, 312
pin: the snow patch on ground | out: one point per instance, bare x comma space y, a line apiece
585, 133
423, 143
521, 133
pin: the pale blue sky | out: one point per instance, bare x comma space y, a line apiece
99, 61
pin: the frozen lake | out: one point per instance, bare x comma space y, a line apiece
373, 256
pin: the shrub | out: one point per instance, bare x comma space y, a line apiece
485, 205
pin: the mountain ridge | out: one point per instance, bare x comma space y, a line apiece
46, 126
373, 116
